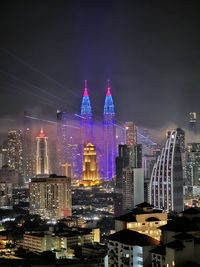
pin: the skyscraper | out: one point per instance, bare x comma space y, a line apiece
192, 181
68, 142
15, 150
167, 176
129, 179
130, 133
90, 176
28, 147
42, 160
86, 118
50, 197
109, 136
193, 122
132, 187
122, 161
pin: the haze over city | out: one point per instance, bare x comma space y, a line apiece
99, 133
149, 51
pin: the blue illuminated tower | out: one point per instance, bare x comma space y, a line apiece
86, 118
109, 136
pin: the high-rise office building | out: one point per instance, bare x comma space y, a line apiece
122, 161
86, 118
28, 147
193, 122
15, 150
167, 176
129, 179
109, 136
192, 159
90, 176
130, 134
132, 188
68, 142
50, 197
136, 156
42, 159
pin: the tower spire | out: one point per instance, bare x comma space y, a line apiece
108, 89
85, 89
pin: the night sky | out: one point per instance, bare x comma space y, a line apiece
149, 49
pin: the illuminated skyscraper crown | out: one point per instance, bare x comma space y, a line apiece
86, 110
109, 108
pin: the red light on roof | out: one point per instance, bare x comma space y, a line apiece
41, 134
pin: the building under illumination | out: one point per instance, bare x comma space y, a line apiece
144, 218
15, 150
86, 118
167, 176
90, 176
50, 197
193, 122
130, 133
109, 136
42, 160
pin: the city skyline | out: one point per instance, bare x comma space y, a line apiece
43, 67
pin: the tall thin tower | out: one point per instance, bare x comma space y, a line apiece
109, 135
42, 160
86, 117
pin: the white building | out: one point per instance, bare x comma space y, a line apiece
130, 248
143, 219
132, 187
167, 177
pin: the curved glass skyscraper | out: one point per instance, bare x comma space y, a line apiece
167, 176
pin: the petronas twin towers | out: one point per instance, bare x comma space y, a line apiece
107, 144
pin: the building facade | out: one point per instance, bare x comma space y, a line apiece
15, 150
90, 175
42, 158
51, 197
167, 176
109, 136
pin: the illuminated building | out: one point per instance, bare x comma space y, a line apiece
130, 134
129, 178
193, 122
167, 176
109, 136
42, 161
144, 218
6, 194
62, 240
51, 197
192, 158
132, 187
90, 176
68, 142
28, 148
9, 175
130, 248
15, 150
66, 169
86, 118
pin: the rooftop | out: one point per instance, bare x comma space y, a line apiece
133, 238
161, 250
191, 211
180, 225
143, 208
183, 236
